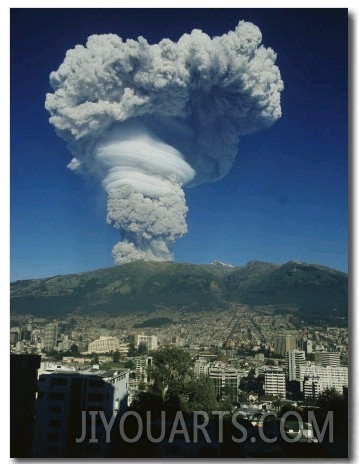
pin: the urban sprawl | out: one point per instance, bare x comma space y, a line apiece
257, 359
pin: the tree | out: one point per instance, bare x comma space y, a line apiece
116, 356
169, 369
269, 362
277, 403
243, 397
142, 349
201, 395
74, 350
331, 401
129, 364
95, 359
225, 404
132, 351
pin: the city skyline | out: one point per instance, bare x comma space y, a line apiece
285, 197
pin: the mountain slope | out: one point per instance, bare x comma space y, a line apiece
145, 286
304, 286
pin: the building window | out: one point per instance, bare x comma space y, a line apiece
52, 451
53, 436
95, 397
55, 409
55, 423
97, 383
57, 396
58, 381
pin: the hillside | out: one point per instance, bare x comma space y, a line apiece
145, 286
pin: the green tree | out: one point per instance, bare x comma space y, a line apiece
129, 364
243, 397
330, 400
277, 403
142, 349
201, 395
116, 356
95, 360
132, 351
169, 370
74, 350
269, 362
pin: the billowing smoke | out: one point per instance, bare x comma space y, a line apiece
150, 119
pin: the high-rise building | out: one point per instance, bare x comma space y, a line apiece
274, 382
64, 403
325, 376
309, 347
150, 341
311, 386
23, 388
284, 343
327, 358
14, 336
104, 345
294, 359
50, 336
142, 364
201, 367
225, 379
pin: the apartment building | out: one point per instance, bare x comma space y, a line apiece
294, 359
323, 377
274, 382
150, 341
104, 345
65, 400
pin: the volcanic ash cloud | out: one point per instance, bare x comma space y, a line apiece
148, 120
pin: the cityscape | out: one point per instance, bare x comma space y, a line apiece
256, 362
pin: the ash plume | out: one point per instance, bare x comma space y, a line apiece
148, 120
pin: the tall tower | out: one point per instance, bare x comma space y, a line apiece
274, 382
294, 359
284, 343
50, 336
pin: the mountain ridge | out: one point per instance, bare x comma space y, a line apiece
147, 286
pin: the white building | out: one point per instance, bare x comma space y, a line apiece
274, 382
225, 379
311, 386
104, 345
294, 359
201, 367
142, 363
309, 346
324, 376
150, 341
327, 358
63, 399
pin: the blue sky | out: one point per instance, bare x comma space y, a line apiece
286, 195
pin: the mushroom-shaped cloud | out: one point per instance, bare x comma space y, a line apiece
148, 120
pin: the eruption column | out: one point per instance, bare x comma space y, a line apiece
143, 177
